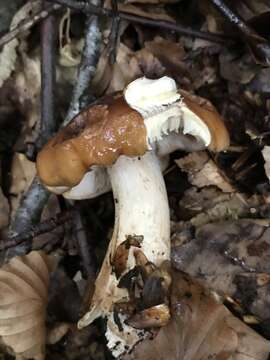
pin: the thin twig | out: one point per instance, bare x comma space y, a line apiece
48, 73
87, 69
28, 212
28, 23
162, 24
259, 46
41, 228
87, 254
113, 38
234, 18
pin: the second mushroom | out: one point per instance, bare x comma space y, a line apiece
126, 133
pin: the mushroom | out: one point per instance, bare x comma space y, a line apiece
125, 134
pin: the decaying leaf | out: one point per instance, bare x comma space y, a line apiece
170, 54
4, 210
210, 204
202, 171
22, 173
200, 329
24, 285
57, 332
27, 88
150, 1
8, 55
70, 50
231, 258
151, 12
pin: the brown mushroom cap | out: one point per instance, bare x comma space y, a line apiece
103, 132
220, 139
97, 136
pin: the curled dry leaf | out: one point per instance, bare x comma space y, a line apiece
129, 66
24, 285
200, 328
202, 171
69, 49
8, 55
110, 78
159, 57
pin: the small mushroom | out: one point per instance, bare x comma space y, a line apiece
124, 134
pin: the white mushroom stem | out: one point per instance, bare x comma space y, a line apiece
141, 204
141, 208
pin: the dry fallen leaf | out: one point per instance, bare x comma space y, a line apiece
22, 173
57, 332
210, 204
8, 55
152, 12
129, 66
228, 257
150, 1
200, 329
27, 82
202, 171
170, 55
24, 285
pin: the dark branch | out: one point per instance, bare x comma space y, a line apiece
234, 18
28, 213
114, 32
87, 69
259, 46
35, 230
48, 74
85, 250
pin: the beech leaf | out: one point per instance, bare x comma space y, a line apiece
23, 298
